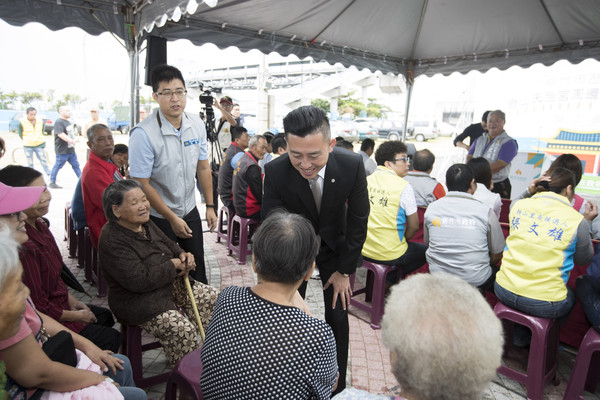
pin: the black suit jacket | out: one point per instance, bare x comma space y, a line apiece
342, 222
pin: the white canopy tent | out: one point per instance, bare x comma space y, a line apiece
408, 37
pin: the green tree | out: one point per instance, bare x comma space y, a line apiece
73, 99
322, 104
50, 96
3, 100
375, 109
350, 105
59, 104
145, 100
28, 97
9, 99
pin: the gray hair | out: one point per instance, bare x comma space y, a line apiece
114, 195
446, 340
498, 113
254, 140
9, 253
284, 247
91, 132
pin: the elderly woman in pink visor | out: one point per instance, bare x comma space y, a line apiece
12, 203
31, 373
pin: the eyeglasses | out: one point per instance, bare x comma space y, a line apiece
403, 159
15, 214
169, 93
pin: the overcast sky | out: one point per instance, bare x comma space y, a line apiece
538, 99
95, 67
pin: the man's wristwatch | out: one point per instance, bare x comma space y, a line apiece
346, 275
210, 206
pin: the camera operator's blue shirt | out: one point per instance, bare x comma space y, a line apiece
141, 151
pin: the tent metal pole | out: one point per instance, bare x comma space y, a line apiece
132, 52
409, 86
137, 86
133, 92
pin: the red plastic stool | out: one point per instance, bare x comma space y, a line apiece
88, 250
81, 248
92, 271
133, 348
586, 371
70, 232
223, 233
374, 291
186, 376
543, 351
242, 226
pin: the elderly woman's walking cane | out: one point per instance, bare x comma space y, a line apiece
194, 306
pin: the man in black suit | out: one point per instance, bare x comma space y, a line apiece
313, 172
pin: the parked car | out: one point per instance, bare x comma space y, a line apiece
49, 118
447, 129
423, 130
388, 129
365, 130
347, 130
366, 120
13, 124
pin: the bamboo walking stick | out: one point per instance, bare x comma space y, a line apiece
194, 306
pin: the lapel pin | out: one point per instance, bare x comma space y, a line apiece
333, 181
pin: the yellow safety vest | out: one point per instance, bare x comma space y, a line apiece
539, 251
33, 135
387, 220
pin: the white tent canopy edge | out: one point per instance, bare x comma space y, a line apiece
408, 37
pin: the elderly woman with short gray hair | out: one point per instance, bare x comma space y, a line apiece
261, 343
445, 341
145, 272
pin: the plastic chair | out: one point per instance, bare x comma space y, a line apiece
223, 233
505, 229
70, 232
586, 371
241, 226
418, 237
133, 348
186, 376
92, 271
543, 351
505, 210
374, 291
81, 248
88, 257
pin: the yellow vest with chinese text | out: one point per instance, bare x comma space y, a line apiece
539, 251
387, 220
33, 135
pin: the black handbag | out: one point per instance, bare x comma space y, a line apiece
61, 348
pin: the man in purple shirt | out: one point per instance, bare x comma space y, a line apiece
499, 149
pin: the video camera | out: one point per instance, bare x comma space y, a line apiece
206, 97
207, 100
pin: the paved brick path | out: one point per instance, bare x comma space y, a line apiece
369, 366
